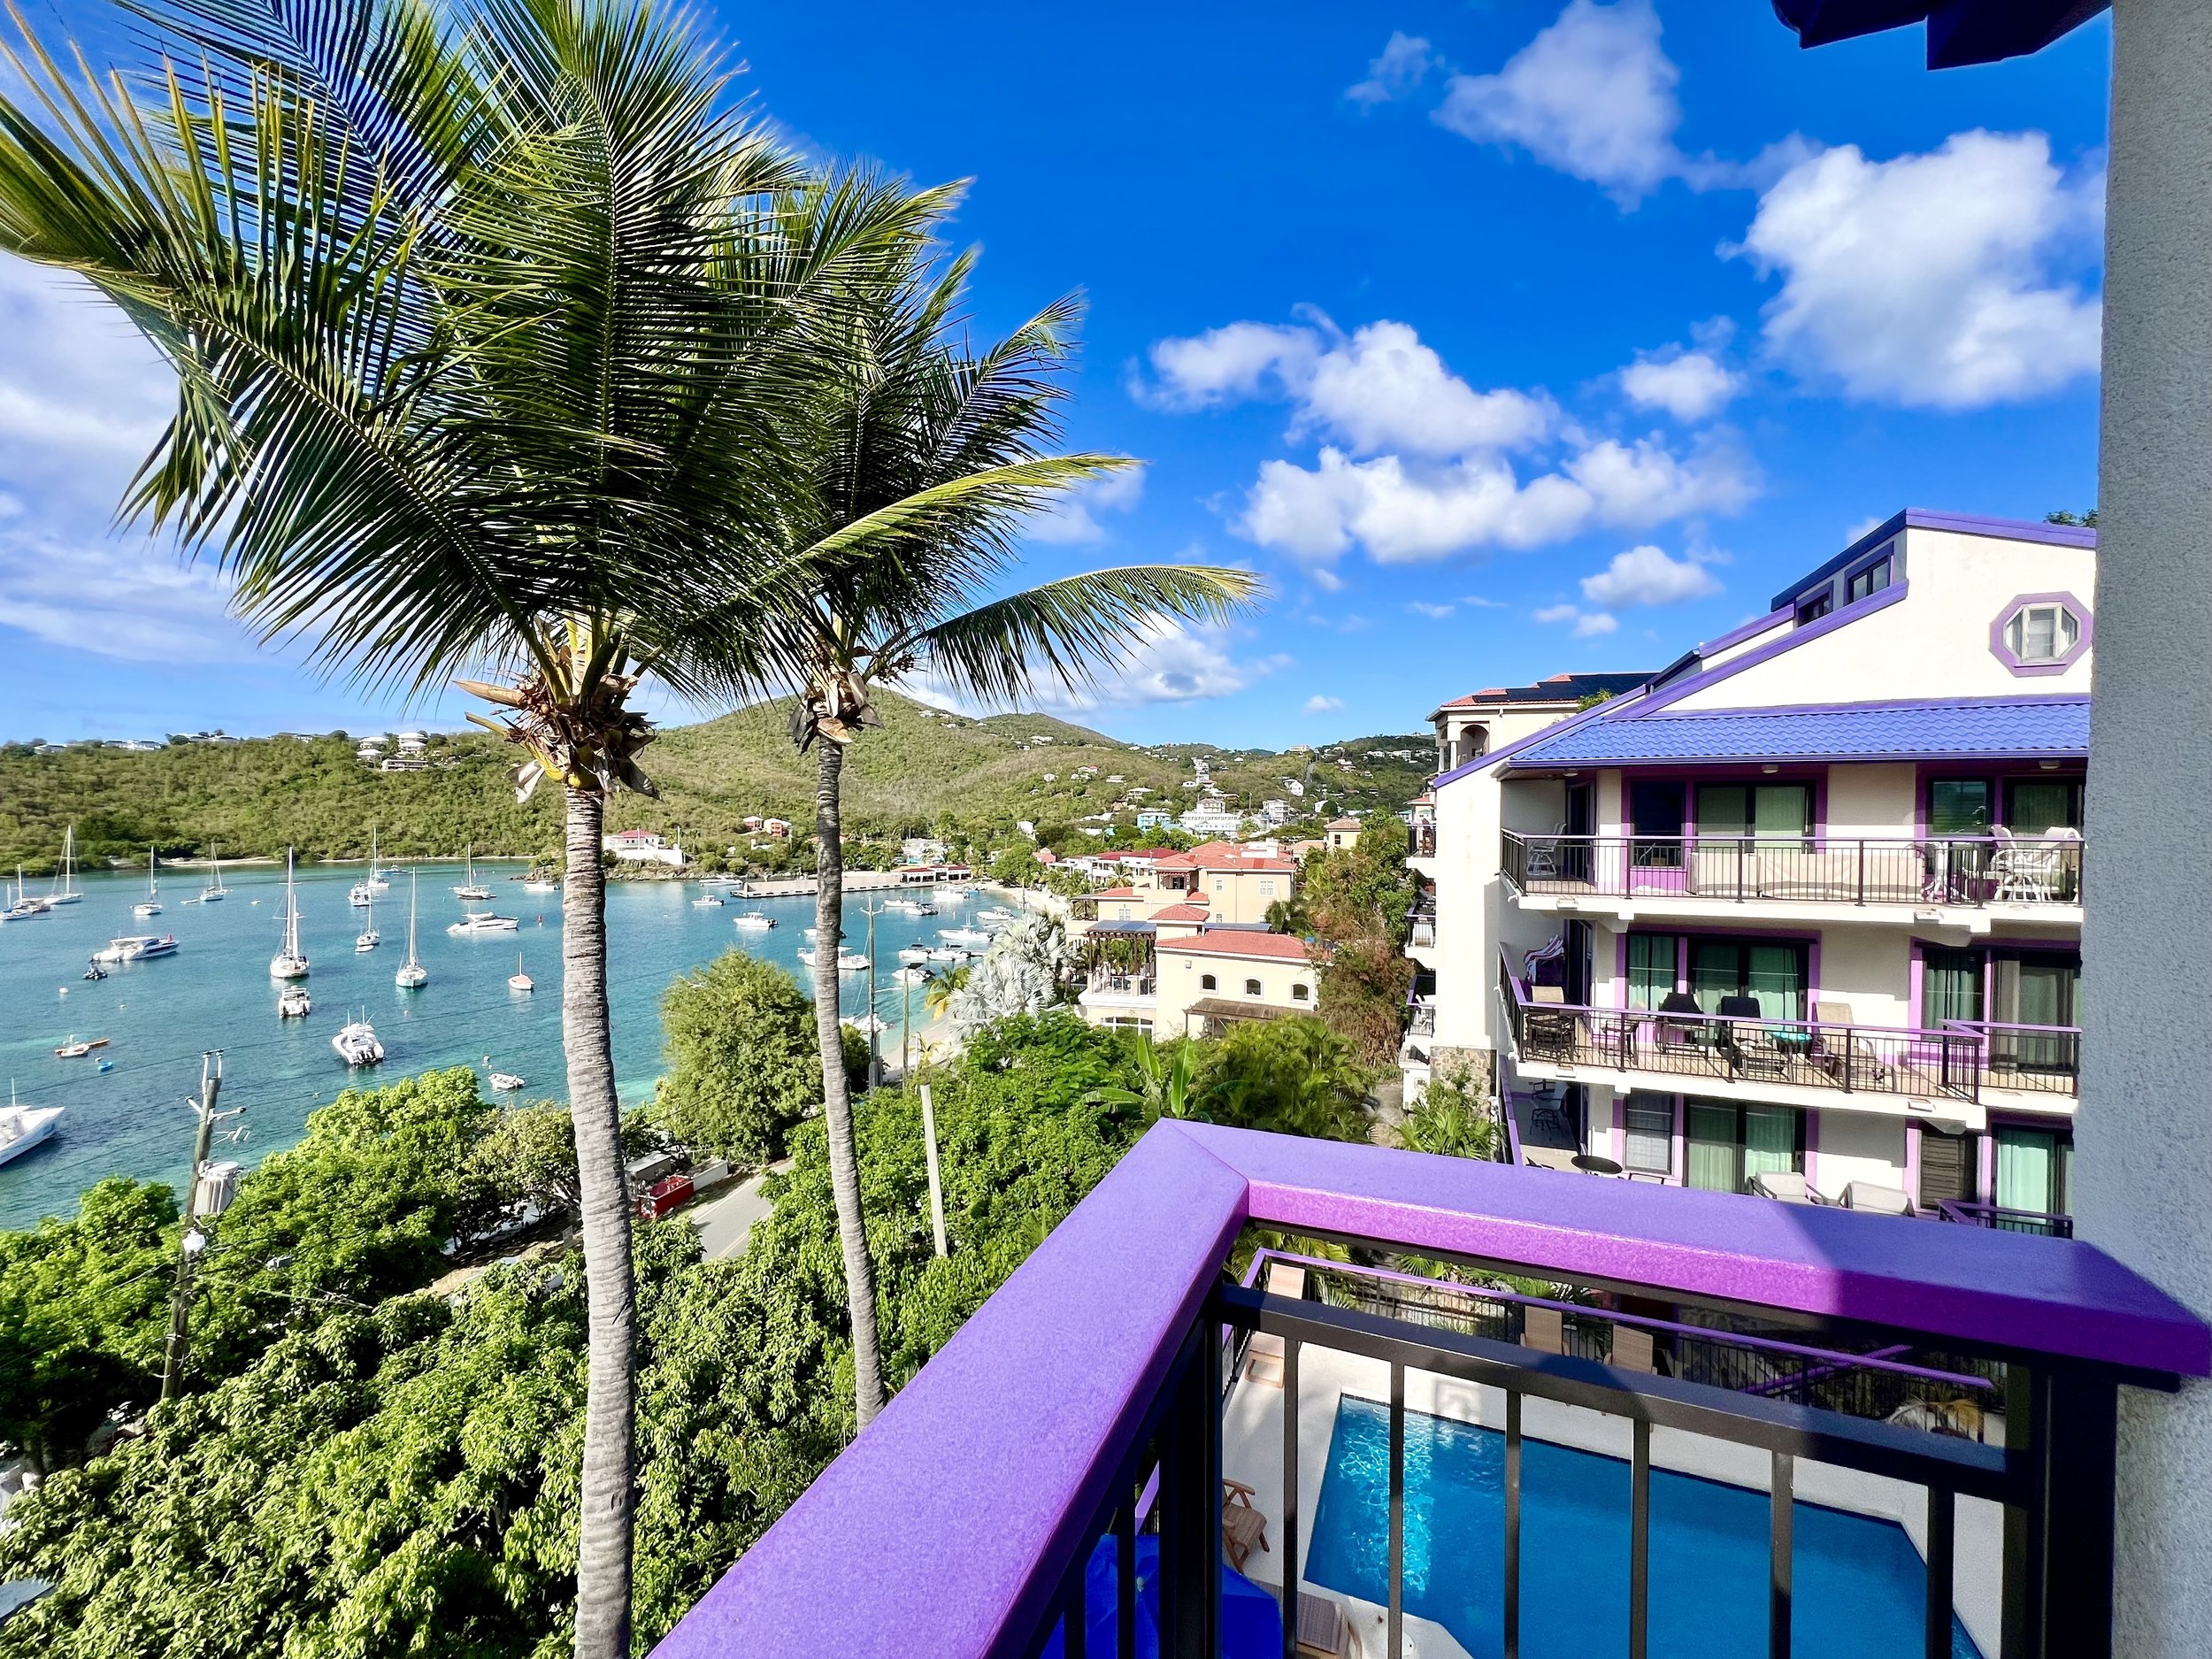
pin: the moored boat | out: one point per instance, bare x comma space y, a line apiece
413, 976
151, 906
483, 922
472, 889
66, 889
289, 963
74, 1049
519, 980
24, 1127
356, 1043
293, 1003
137, 948
753, 922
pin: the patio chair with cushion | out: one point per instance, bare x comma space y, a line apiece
1263, 1353
1323, 1631
1755, 1046
1832, 1050
1242, 1526
1685, 1025
1878, 1199
1785, 1187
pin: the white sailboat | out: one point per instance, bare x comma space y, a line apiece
289, 963
376, 882
151, 906
368, 938
23, 907
519, 980
356, 1043
66, 889
214, 889
413, 976
473, 889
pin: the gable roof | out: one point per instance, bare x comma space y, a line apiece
2043, 729
1183, 913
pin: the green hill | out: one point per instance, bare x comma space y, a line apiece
924, 770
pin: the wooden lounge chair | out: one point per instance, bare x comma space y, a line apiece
1543, 1330
1242, 1525
1633, 1350
1263, 1353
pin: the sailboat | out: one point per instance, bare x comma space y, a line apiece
65, 890
368, 939
23, 907
214, 889
376, 882
472, 890
413, 976
519, 980
290, 963
151, 906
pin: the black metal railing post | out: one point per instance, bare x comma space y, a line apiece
1512, 1635
1781, 1523
2061, 1432
1190, 1505
1942, 1539
1640, 1540
1397, 1631
1290, 1497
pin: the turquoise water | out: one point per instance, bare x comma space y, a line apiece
1859, 1584
216, 993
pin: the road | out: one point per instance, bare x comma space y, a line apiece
726, 1220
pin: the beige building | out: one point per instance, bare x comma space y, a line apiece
1212, 979
1341, 833
1471, 726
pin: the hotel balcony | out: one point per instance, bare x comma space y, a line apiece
1421, 931
1967, 1067
1863, 1444
1970, 882
1108, 993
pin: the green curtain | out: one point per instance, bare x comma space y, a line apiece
1770, 1141
1727, 967
1771, 811
1715, 970
1715, 1162
1775, 981
2037, 809
1652, 959
1950, 986
2027, 1169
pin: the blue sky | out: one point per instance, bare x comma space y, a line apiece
1503, 338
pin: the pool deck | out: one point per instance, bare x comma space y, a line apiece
1252, 1452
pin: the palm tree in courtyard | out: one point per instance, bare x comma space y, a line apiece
492, 327
953, 443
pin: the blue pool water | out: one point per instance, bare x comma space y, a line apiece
216, 993
1860, 1583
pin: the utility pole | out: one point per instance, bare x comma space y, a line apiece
906, 1028
875, 1044
193, 1241
936, 1187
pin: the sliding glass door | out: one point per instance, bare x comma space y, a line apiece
1729, 1144
2033, 1170
1771, 973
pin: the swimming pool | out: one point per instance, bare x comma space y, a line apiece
1859, 1584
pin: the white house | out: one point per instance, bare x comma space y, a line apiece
642, 846
1807, 907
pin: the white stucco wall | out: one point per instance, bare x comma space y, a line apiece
1857, 1147
1956, 584
2144, 1164
1872, 803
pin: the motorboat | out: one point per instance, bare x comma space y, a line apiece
289, 963
946, 953
413, 976
911, 976
74, 1049
214, 892
151, 906
538, 881
66, 889
966, 938
519, 980
914, 953
506, 1082
95, 972
293, 1004
709, 902
137, 948
996, 914
472, 889
360, 894
753, 922
24, 1127
368, 938
356, 1044
867, 1022
811, 933
483, 922
851, 962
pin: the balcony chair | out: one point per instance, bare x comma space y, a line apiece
1633, 1350
1324, 1632
1754, 1045
1832, 1054
1263, 1353
1686, 1028
1876, 1199
1242, 1525
1551, 1035
1543, 1330
1785, 1187
2027, 872
1542, 860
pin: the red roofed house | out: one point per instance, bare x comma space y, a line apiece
1211, 980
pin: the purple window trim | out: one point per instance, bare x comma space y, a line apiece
947, 1525
2004, 653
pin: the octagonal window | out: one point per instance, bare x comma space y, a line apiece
2040, 633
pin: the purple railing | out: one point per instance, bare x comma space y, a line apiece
959, 1523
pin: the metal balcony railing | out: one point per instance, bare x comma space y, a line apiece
1052, 1482
1424, 841
2035, 1059
1421, 1019
1123, 984
1421, 929
2039, 1221
1973, 872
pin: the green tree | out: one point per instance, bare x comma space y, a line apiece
1292, 1076
1355, 902
1452, 1116
951, 442
744, 1069
489, 326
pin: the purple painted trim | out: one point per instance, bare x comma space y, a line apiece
1747, 630
2011, 659
2072, 1301
1841, 616
1957, 523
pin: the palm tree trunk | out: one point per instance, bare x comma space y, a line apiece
837, 1112
609, 1484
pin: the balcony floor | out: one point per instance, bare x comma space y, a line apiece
1252, 1452
1971, 921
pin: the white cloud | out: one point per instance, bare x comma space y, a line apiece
1928, 280
1646, 576
1405, 63
1075, 520
1319, 704
1423, 608
1377, 389
1478, 602
1688, 385
1592, 95
1587, 624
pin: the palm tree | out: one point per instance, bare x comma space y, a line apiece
953, 445
491, 328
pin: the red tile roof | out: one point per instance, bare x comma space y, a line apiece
1229, 941
1113, 893
1182, 913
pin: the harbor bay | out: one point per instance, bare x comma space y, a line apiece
215, 992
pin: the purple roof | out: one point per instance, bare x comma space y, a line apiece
2042, 728
1960, 31
946, 1526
